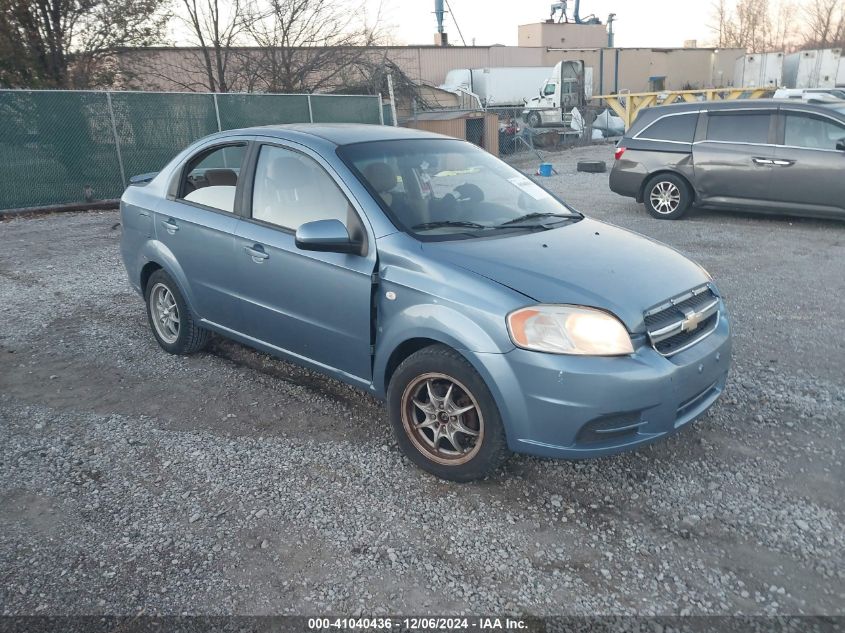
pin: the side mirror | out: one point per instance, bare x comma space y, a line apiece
840, 145
326, 236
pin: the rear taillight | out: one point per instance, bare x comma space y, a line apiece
619, 152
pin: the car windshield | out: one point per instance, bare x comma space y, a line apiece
448, 189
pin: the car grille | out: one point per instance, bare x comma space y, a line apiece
680, 323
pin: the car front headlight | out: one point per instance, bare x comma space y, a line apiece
565, 329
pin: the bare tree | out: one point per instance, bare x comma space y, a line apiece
217, 28
71, 43
308, 45
825, 24
755, 25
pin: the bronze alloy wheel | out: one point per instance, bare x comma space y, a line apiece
442, 419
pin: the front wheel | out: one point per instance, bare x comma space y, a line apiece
443, 416
533, 120
667, 197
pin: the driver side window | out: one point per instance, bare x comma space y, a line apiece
812, 132
549, 90
291, 189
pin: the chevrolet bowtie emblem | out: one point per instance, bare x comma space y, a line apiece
691, 322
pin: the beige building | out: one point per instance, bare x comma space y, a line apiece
541, 44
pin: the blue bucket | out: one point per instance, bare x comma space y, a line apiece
545, 169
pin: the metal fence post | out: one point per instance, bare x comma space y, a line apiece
116, 140
380, 110
310, 111
217, 112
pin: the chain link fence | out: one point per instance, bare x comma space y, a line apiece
527, 131
59, 147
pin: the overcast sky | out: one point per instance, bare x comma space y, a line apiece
640, 22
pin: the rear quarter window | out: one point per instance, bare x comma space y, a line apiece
679, 128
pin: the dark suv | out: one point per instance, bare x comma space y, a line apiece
766, 156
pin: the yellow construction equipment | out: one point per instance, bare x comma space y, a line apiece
628, 104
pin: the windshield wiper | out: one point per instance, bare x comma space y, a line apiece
535, 216
447, 223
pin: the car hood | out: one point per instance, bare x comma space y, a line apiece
586, 263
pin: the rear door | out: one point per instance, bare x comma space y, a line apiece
735, 158
315, 306
809, 170
196, 222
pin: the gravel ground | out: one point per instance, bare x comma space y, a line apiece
231, 482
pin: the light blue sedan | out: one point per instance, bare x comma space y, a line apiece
492, 317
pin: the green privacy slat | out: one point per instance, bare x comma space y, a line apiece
153, 127
346, 109
53, 145
246, 110
57, 145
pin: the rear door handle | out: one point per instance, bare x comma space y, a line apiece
170, 225
257, 253
783, 162
763, 161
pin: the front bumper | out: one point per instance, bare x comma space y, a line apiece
578, 407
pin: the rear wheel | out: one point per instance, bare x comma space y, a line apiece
171, 321
667, 197
443, 416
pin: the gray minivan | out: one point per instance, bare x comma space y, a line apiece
764, 156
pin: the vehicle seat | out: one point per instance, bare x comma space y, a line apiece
221, 178
383, 179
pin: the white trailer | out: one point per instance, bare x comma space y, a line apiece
497, 87
763, 70
813, 69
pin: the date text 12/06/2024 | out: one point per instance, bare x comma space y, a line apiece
418, 624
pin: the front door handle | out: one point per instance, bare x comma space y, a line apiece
257, 253
783, 162
763, 161
170, 225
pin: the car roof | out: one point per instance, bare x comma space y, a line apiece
649, 115
733, 104
337, 133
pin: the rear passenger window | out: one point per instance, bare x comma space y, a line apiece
211, 178
739, 128
679, 128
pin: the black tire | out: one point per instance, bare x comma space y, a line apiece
188, 337
667, 197
533, 120
592, 166
438, 366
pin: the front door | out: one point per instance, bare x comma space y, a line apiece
809, 170
733, 164
316, 306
